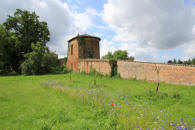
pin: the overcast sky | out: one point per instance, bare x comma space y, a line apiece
150, 30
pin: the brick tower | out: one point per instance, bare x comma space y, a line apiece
82, 47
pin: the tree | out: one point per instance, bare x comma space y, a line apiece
39, 61
122, 55
108, 56
25, 29
32, 64
118, 55
50, 62
131, 58
170, 62
193, 61
5, 51
174, 61
179, 61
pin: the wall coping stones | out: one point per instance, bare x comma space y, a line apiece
157, 63
93, 60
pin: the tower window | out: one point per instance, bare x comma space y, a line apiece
71, 50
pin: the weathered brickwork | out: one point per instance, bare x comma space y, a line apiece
84, 54
172, 74
82, 47
73, 57
102, 66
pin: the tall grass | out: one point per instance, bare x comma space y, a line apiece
55, 102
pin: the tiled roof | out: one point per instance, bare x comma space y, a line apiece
85, 35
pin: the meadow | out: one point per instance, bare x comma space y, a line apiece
60, 102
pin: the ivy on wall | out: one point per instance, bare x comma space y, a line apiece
82, 43
113, 65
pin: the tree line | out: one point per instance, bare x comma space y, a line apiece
185, 62
118, 55
23, 50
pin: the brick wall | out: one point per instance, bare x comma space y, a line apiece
102, 66
72, 62
172, 74
91, 46
86, 48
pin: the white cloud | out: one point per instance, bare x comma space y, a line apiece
63, 23
54, 12
82, 21
161, 24
106, 46
189, 51
133, 49
140, 53
92, 12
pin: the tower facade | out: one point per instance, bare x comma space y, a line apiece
82, 47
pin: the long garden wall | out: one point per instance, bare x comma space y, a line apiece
172, 74
102, 66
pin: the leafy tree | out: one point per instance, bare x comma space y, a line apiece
179, 61
32, 64
122, 55
50, 63
25, 29
193, 61
5, 51
188, 62
174, 61
131, 58
40, 60
108, 56
118, 55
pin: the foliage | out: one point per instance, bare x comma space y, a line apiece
118, 55
112, 104
185, 62
5, 51
65, 60
108, 56
113, 64
122, 55
50, 63
40, 60
24, 29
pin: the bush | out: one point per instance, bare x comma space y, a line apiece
27, 67
40, 61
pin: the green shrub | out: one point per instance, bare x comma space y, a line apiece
40, 61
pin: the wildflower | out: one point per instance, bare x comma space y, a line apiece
113, 105
131, 107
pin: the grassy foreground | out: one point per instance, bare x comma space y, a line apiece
56, 102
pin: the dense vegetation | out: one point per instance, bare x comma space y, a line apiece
56, 102
185, 62
118, 55
23, 48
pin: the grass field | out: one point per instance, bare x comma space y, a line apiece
56, 102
